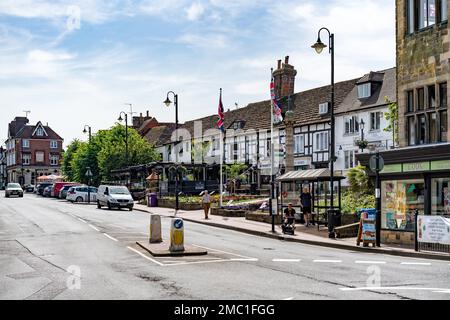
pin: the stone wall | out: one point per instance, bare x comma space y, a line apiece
423, 59
397, 237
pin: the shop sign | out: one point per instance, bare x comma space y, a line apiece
392, 168
416, 166
440, 165
433, 229
301, 162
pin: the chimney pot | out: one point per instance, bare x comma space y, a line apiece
148, 114
279, 64
286, 60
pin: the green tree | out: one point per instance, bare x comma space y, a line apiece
392, 117
235, 171
360, 194
66, 164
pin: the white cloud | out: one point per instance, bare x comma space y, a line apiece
47, 56
195, 11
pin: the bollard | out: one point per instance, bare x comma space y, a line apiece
155, 229
177, 235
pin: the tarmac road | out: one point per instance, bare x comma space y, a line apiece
51, 249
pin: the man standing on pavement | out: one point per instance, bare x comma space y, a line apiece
206, 201
306, 203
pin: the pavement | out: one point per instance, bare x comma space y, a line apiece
310, 235
51, 249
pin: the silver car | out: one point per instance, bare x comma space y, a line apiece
13, 189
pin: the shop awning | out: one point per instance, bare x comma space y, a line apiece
308, 175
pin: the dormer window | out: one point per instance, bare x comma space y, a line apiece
237, 125
323, 108
364, 90
40, 132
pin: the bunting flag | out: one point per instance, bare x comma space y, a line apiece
276, 110
220, 123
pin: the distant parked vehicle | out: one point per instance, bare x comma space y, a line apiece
13, 189
48, 191
59, 185
80, 194
41, 187
64, 191
29, 188
114, 197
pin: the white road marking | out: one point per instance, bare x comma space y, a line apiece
216, 250
327, 261
437, 290
90, 225
144, 256
286, 260
248, 259
108, 236
201, 262
289, 299
416, 263
370, 262
81, 220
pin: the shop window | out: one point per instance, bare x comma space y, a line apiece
431, 97
443, 95
422, 129
400, 199
410, 100
420, 99
440, 196
411, 131
444, 126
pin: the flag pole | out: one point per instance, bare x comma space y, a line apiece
271, 159
221, 161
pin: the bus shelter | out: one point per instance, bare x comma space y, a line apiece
317, 181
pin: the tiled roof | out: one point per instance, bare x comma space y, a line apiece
257, 115
386, 89
160, 133
26, 132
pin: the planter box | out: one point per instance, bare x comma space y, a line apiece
263, 217
164, 203
228, 213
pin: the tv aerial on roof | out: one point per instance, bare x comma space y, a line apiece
27, 112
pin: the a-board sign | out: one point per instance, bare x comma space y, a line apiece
367, 227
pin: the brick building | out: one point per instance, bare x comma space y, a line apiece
2, 168
32, 151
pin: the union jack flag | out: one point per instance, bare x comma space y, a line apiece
220, 123
276, 110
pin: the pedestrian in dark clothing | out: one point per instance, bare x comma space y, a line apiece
306, 203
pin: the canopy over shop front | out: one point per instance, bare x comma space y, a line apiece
50, 178
317, 181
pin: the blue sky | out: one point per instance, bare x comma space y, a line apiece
77, 62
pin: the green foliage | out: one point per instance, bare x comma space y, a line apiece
392, 117
68, 156
352, 202
360, 194
235, 171
106, 152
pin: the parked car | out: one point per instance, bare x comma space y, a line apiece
60, 185
114, 197
13, 189
80, 194
48, 191
40, 188
29, 188
63, 192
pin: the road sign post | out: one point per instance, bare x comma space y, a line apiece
177, 235
377, 165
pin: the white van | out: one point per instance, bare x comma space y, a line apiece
114, 197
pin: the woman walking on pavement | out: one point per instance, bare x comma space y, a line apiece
206, 201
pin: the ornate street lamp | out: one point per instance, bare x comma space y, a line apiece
319, 46
89, 130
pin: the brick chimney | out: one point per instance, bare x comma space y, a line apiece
284, 79
139, 120
17, 124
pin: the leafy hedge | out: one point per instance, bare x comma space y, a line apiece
351, 202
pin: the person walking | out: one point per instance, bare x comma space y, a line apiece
206, 201
306, 204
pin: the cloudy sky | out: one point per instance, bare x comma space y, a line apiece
78, 62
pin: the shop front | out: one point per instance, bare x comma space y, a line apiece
413, 180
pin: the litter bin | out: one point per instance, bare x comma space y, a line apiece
334, 220
152, 200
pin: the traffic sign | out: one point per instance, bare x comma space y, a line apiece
373, 163
178, 224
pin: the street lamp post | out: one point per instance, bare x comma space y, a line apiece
126, 138
319, 46
88, 131
89, 176
168, 102
361, 125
